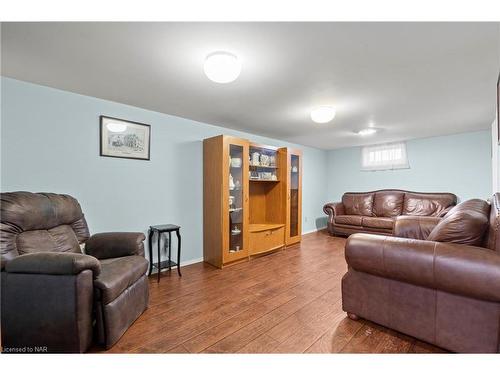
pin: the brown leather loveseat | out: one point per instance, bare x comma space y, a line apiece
377, 211
52, 293
437, 282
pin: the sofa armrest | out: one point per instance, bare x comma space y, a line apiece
459, 269
52, 263
417, 227
333, 209
115, 244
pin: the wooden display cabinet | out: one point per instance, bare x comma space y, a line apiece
251, 199
225, 200
267, 204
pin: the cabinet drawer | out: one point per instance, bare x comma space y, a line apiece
266, 240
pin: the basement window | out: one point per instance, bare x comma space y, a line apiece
383, 157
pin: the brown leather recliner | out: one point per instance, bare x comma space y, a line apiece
378, 211
438, 282
53, 296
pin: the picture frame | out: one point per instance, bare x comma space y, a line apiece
119, 138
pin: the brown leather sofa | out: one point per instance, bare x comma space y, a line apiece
55, 298
377, 211
438, 282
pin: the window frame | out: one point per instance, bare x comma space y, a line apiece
401, 163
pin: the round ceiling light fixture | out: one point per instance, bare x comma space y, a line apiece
222, 67
367, 131
323, 114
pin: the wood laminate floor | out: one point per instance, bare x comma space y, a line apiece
285, 302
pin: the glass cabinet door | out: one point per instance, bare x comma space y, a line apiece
237, 192
236, 198
294, 195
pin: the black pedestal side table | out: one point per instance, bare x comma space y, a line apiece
159, 230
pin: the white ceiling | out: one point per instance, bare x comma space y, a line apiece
411, 79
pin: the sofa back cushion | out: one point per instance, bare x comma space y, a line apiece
388, 203
358, 203
465, 224
34, 222
492, 237
427, 204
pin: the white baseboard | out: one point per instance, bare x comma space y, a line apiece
192, 261
313, 230
185, 263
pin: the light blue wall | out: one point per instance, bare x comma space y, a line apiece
495, 168
50, 142
459, 163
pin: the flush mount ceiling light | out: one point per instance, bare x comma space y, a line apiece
222, 67
368, 131
323, 114
116, 127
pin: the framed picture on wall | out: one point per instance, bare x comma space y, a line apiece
124, 139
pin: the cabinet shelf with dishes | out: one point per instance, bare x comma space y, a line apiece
250, 182
263, 161
262, 180
264, 166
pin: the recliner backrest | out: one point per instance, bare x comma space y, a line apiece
35, 222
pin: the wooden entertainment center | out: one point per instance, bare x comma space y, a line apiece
252, 199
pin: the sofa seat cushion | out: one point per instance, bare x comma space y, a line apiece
117, 274
417, 227
350, 229
348, 220
378, 222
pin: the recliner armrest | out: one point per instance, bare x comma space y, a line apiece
115, 244
52, 263
417, 227
334, 209
460, 269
